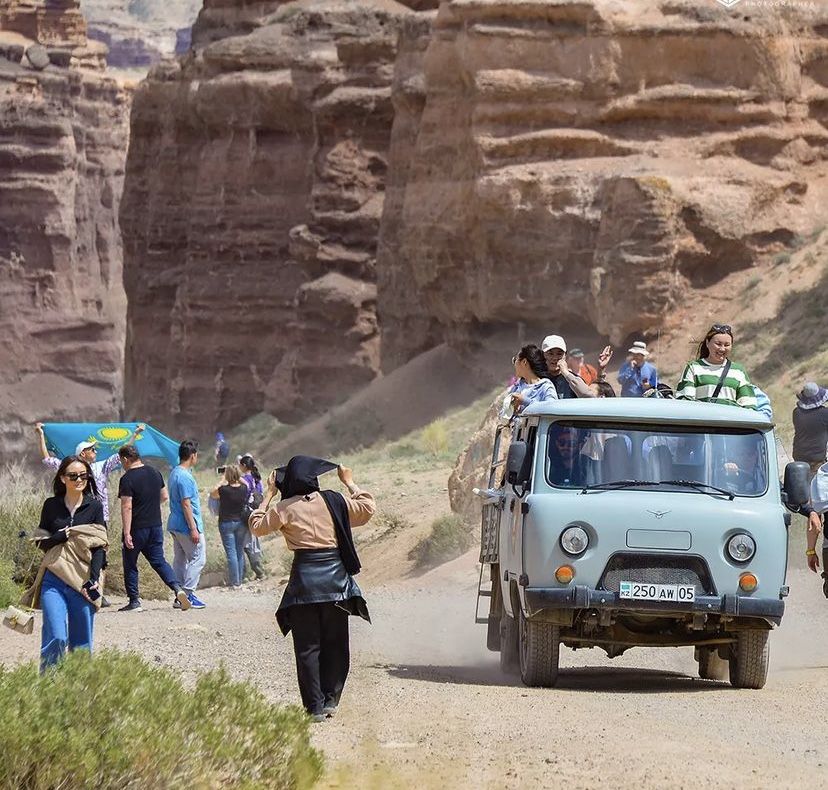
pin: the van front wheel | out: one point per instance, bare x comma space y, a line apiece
540, 647
749, 659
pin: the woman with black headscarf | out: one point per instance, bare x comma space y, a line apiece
321, 592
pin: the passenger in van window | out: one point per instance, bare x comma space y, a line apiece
602, 389
533, 378
567, 384
713, 377
744, 474
565, 460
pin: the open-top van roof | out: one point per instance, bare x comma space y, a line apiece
660, 410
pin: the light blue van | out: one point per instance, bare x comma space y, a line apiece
623, 522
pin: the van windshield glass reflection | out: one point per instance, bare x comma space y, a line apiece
582, 454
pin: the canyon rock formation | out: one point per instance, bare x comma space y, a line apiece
140, 33
255, 185
556, 163
63, 137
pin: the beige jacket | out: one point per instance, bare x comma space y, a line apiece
306, 522
69, 561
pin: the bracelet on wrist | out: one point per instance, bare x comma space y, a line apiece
810, 552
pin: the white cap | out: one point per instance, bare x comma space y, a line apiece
553, 341
81, 446
639, 347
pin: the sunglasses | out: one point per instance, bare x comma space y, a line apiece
721, 329
75, 476
514, 359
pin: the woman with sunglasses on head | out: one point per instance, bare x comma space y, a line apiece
72, 533
713, 377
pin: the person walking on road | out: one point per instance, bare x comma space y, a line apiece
713, 377
637, 376
232, 496
810, 421
186, 525
253, 480
141, 491
321, 593
72, 533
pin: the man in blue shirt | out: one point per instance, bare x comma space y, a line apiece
637, 376
185, 524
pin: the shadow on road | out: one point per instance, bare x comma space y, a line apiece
628, 680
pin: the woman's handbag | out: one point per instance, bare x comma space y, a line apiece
19, 620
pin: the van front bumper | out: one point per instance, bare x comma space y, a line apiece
583, 597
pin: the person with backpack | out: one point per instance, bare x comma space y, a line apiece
713, 377
253, 480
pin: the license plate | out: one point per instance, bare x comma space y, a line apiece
641, 591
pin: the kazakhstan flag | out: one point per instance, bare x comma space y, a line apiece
63, 437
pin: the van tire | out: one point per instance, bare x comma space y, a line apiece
540, 648
509, 658
749, 659
711, 665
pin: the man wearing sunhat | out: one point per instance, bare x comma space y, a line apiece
810, 420
567, 384
637, 376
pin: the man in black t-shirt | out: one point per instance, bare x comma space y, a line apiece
141, 492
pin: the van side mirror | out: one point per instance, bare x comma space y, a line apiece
796, 486
517, 464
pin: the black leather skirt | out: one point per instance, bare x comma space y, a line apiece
318, 576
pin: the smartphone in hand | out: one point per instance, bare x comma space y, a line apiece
93, 592
220, 470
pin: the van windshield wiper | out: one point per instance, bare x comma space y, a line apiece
608, 486
705, 488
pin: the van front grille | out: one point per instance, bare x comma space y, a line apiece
657, 569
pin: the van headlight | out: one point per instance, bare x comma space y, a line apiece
741, 547
574, 540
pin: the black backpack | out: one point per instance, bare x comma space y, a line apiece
253, 501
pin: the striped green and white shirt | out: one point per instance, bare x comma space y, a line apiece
701, 378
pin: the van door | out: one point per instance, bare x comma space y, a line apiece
511, 522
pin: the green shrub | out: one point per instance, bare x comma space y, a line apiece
9, 591
116, 721
450, 537
435, 437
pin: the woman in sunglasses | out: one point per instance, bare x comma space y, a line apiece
72, 533
713, 377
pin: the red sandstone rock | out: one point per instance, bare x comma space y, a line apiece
254, 193
63, 135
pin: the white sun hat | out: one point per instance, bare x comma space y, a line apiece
639, 347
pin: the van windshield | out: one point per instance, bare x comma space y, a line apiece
583, 454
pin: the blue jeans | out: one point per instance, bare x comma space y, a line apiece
67, 620
234, 535
148, 541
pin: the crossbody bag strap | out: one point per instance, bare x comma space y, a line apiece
721, 381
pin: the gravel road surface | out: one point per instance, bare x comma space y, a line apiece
427, 706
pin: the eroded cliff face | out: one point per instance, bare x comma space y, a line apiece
255, 185
63, 136
556, 163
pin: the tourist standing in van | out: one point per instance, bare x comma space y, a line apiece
321, 593
713, 377
637, 376
533, 383
810, 421
567, 384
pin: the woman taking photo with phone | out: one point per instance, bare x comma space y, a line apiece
321, 592
68, 587
713, 377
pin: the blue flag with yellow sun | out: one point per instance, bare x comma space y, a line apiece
63, 437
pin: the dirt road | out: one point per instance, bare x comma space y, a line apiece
427, 706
